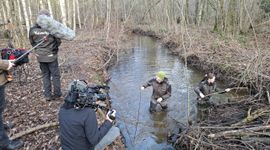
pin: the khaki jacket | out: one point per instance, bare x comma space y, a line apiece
3, 67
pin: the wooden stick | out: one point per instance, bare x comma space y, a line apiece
31, 130
268, 96
238, 132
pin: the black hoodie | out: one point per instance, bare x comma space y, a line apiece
79, 128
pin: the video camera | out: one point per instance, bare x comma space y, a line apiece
13, 54
83, 95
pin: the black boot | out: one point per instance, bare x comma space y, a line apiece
14, 144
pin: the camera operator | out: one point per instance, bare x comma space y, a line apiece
79, 127
5, 142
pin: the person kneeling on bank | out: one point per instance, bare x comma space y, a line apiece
78, 122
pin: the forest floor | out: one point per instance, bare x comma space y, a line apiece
87, 57
239, 61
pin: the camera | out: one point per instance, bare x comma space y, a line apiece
111, 114
83, 95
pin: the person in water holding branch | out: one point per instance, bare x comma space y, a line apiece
161, 91
204, 90
206, 87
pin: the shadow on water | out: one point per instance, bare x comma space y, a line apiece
133, 70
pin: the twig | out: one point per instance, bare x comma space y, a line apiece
31, 130
268, 96
238, 132
213, 145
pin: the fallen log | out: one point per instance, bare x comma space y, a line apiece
239, 132
31, 130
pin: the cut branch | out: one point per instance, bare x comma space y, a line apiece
31, 130
238, 132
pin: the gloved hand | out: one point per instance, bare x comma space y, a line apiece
142, 88
111, 115
10, 64
159, 99
202, 95
227, 90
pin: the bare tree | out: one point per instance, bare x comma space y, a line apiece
108, 17
78, 13
30, 12
63, 11
4, 13
41, 4
26, 18
50, 7
19, 11
7, 5
74, 14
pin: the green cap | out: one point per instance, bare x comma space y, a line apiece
161, 75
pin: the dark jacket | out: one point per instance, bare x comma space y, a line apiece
79, 129
205, 88
47, 51
3, 66
162, 89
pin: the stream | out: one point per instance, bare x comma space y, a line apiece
149, 131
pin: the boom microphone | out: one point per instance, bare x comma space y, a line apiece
55, 28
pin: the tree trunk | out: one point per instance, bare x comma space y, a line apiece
78, 14
19, 11
50, 7
74, 15
4, 13
26, 16
108, 18
30, 12
187, 11
69, 13
199, 11
63, 11
8, 11
41, 5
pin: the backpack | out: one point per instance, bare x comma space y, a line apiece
12, 54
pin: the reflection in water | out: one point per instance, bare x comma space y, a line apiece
160, 126
133, 70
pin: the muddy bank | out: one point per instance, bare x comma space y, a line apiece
241, 124
87, 57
